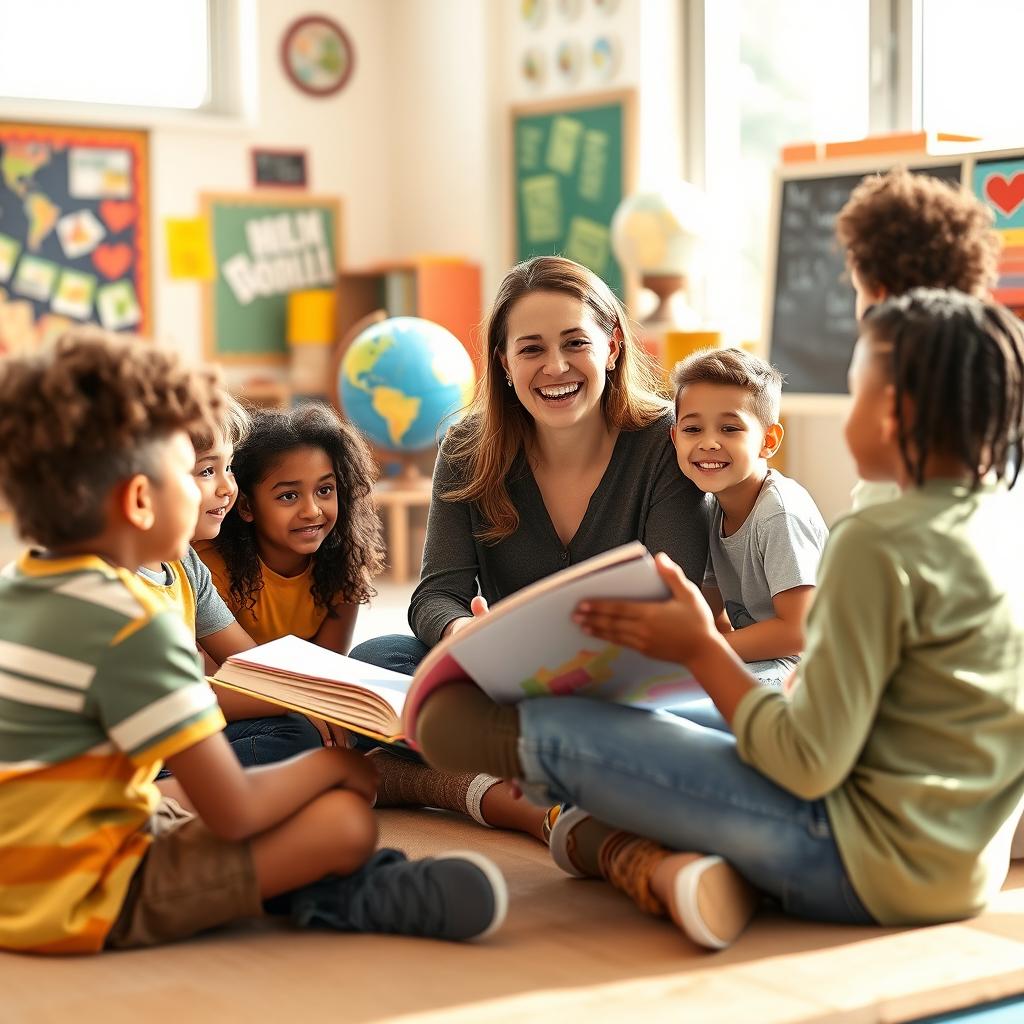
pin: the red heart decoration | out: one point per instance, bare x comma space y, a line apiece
1006, 194
112, 260
118, 214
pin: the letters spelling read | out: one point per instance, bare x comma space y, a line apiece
287, 252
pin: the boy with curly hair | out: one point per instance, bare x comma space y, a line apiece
100, 683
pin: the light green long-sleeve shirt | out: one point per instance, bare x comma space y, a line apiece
908, 712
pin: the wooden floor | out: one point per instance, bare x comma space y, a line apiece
570, 950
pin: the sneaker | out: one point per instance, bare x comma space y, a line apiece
457, 896
549, 822
558, 841
711, 901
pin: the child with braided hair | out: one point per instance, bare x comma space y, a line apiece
884, 787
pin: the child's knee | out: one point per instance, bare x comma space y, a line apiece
347, 823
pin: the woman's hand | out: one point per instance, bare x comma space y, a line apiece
674, 630
478, 606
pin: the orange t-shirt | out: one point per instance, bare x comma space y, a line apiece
284, 604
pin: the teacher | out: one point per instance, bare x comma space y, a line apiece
563, 454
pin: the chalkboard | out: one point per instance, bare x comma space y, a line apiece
74, 232
264, 246
813, 327
281, 168
573, 163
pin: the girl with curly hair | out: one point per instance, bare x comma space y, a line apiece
299, 551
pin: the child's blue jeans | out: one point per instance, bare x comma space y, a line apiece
663, 776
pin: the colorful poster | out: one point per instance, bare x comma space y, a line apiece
35, 278
118, 306
74, 294
79, 233
75, 201
189, 249
999, 184
98, 173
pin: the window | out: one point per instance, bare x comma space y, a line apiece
178, 56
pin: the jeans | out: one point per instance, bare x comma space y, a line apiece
682, 784
396, 651
266, 740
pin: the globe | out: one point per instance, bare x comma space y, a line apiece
661, 232
403, 381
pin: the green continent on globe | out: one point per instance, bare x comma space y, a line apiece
362, 358
20, 161
399, 411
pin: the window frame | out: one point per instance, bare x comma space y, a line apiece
231, 102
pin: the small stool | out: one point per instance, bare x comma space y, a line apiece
397, 499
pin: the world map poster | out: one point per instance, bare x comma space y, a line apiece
74, 232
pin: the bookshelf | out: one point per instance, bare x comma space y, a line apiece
444, 291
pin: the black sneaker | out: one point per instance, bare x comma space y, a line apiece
459, 895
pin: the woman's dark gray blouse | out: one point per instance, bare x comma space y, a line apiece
642, 496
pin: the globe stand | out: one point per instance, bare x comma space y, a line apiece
666, 288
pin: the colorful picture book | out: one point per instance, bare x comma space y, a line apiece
559, 659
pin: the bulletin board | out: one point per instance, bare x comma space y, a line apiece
265, 245
74, 232
573, 162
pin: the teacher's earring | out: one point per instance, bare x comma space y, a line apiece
611, 366
508, 378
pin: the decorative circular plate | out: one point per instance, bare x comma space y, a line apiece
317, 55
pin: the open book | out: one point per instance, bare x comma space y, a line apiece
526, 646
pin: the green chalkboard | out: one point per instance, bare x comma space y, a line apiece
573, 163
264, 246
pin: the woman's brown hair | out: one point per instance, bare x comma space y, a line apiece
485, 444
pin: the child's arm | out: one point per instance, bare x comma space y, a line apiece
780, 637
713, 596
235, 803
335, 632
218, 647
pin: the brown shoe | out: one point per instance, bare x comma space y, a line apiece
710, 900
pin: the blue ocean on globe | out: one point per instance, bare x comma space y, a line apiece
402, 381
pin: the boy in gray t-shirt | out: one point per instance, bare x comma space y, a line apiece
767, 534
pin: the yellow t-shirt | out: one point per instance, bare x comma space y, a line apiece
284, 604
176, 594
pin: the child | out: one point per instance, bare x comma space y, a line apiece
766, 532
305, 537
901, 231
883, 788
259, 733
299, 551
99, 682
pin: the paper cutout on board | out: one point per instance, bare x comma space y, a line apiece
97, 173
112, 260
593, 163
42, 216
542, 208
74, 294
19, 164
79, 233
563, 144
9, 249
1007, 194
118, 214
118, 306
35, 278
189, 249
531, 139
588, 243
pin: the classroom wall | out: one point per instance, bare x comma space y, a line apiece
347, 136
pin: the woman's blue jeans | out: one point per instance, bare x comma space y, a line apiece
396, 651
683, 784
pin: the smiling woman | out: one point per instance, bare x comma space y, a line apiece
565, 453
